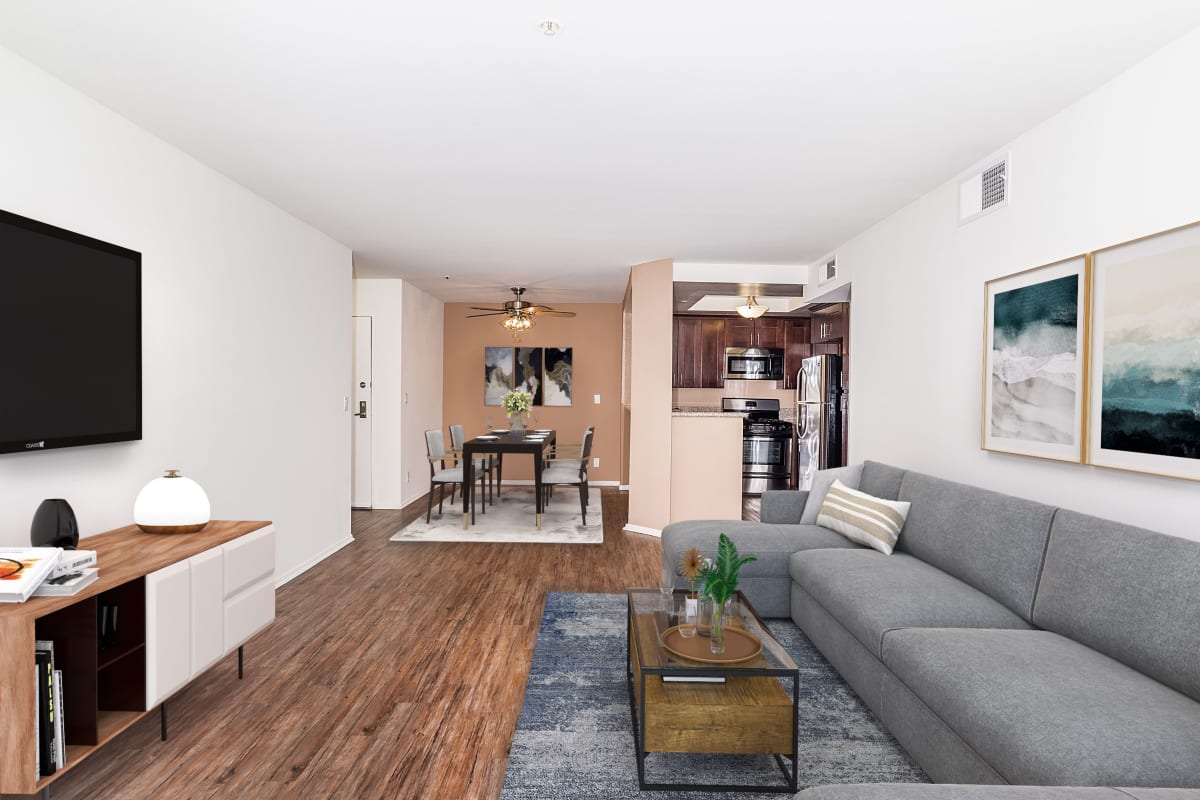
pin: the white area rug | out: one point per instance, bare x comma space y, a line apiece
512, 519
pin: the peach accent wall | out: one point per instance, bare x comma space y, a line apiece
594, 334
706, 468
650, 397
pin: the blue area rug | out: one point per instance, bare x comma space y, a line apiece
574, 737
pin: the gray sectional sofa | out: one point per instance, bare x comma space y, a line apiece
1003, 642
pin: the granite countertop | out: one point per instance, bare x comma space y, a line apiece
785, 414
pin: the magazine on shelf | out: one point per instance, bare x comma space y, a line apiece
71, 561
44, 658
23, 569
74, 583
60, 737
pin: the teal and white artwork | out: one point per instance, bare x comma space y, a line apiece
1033, 383
1145, 408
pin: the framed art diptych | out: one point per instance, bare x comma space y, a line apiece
544, 372
1035, 361
1144, 407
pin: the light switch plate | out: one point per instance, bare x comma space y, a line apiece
596, 399
596, 462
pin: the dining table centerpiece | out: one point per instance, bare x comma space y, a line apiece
517, 405
719, 584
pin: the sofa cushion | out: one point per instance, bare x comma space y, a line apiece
994, 542
772, 545
881, 480
863, 518
1130, 593
871, 594
784, 506
822, 480
1043, 709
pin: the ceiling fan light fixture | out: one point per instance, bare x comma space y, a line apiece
751, 309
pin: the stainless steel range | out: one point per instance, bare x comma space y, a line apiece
766, 444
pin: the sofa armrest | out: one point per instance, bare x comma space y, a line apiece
783, 506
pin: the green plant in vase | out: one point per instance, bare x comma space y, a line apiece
720, 582
516, 405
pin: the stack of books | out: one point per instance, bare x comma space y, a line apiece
44, 572
51, 739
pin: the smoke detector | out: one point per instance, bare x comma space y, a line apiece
548, 27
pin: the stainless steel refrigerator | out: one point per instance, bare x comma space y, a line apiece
818, 417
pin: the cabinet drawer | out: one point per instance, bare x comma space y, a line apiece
208, 608
168, 632
248, 559
249, 612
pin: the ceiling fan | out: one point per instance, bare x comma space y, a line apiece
518, 314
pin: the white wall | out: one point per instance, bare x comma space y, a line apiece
406, 378
1119, 164
246, 329
422, 370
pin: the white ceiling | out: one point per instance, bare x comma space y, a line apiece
451, 137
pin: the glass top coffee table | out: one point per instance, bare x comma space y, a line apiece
685, 705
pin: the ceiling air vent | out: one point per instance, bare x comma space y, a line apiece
983, 192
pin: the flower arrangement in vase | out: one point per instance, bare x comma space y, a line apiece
720, 582
516, 405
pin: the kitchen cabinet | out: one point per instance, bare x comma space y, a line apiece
797, 346
699, 352
829, 324
761, 332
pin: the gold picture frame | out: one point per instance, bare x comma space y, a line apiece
1144, 408
1035, 361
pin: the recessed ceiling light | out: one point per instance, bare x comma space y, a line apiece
548, 27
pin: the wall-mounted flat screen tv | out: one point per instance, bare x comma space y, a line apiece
70, 338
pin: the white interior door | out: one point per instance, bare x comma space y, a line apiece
360, 493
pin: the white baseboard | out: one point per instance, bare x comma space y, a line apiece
642, 529
624, 487
280, 580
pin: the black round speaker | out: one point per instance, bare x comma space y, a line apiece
54, 525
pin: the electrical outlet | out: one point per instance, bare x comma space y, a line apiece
596, 399
596, 463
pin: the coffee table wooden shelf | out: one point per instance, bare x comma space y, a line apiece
750, 713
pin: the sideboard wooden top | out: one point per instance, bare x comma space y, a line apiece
129, 553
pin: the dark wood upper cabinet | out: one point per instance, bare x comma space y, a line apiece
829, 324
761, 332
699, 353
797, 346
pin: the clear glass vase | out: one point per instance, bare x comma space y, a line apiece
716, 639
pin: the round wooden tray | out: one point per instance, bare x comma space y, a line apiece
740, 645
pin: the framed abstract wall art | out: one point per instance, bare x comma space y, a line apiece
1144, 407
557, 388
497, 374
528, 372
1035, 361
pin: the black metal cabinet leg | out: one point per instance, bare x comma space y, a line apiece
162, 720
239, 662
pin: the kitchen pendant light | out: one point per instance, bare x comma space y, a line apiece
752, 309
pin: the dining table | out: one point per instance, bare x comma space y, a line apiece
497, 443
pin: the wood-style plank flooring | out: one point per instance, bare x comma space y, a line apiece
392, 671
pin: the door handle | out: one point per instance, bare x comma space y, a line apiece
362, 409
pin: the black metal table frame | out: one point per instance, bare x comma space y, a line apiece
637, 710
504, 443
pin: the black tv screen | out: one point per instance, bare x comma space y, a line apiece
70, 338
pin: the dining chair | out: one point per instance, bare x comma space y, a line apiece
570, 472
482, 465
435, 448
568, 452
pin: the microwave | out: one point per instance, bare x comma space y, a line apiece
753, 364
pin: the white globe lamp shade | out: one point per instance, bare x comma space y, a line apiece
171, 504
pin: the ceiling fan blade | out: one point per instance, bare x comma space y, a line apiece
549, 313
490, 314
479, 308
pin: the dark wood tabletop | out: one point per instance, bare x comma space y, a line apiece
530, 442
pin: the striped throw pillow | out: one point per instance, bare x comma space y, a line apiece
863, 518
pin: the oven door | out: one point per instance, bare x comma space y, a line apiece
766, 463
